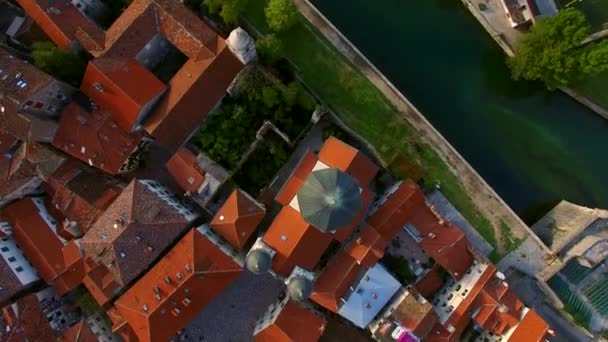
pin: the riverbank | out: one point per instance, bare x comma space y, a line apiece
496, 24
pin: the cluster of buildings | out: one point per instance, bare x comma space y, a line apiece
90, 253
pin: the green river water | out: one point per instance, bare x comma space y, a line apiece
532, 146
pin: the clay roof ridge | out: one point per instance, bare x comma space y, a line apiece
184, 28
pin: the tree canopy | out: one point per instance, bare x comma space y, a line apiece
269, 48
281, 15
228, 10
59, 63
552, 51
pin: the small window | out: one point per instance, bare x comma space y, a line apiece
19, 269
51, 108
4, 249
12, 259
78, 4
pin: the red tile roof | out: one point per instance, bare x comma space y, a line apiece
338, 154
80, 194
368, 247
79, 332
27, 322
15, 72
430, 282
133, 231
333, 282
197, 270
23, 169
532, 328
193, 92
121, 86
295, 241
238, 218
497, 308
298, 177
415, 314
100, 282
444, 243
293, 324
461, 316
42, 247
94, 138
63, 23
183, 166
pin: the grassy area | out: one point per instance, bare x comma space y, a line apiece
595, 89
232, 127
263, 164
364, 108
509, 241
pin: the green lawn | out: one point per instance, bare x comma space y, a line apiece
596, 88
364, 108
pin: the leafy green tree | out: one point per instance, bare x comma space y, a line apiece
228, 10
281, 15
62, 64
269, 48
552, 51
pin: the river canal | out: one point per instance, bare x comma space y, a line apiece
532, 146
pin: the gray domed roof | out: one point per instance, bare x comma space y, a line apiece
258, 261
329, 199
239, 39
299, 288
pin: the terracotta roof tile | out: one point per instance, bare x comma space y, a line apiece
415, 314
333, 282
27, 322
295, 241
11, 285
293, 324
461, 316
100, 282
183, 166
368, 247
121, 86
238, 218
81, 194
430, 282
338, 154
198, 271
20, 81
532, 328
298, 177
79, 332
193, 91
63, 23
145, 226
443, 242
41, 245
94, 138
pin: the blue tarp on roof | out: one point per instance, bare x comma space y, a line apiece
373, 291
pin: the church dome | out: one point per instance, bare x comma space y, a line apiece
329, 199
258, 261
299, 288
